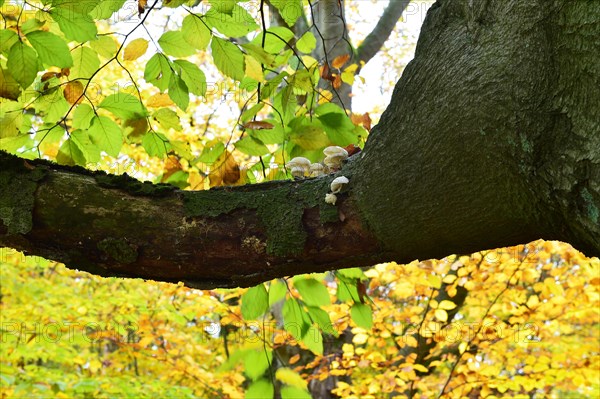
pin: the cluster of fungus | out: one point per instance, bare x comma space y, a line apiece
301, 167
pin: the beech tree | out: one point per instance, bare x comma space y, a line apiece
491, 139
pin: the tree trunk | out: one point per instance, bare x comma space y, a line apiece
492, 138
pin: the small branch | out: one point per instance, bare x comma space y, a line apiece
375, 40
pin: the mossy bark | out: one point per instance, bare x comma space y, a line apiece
492, 138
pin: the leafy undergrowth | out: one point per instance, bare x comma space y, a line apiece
516, 322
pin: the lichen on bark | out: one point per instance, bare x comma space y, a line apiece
20, 180
280, 208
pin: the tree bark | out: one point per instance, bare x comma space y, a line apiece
492, 138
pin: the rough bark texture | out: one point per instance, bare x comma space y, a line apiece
492, 138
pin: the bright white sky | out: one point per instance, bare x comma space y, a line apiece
376, 92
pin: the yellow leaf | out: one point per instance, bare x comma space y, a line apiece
533, 302
449, 279
360, 339
420, 367
254, 69
447, 305
462, 347
290, 377
159, 100
441, 315
95, 365
434, 281
73, 92
411, 341
348, 77
147, 340
135, 49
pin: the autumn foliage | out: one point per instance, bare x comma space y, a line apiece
516, 322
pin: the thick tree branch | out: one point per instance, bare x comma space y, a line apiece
491, 139
377, 37
118, 226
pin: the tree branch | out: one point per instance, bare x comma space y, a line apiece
472, 153
228, 237
377, 37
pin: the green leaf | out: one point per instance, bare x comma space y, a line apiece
193, 77
255, 302
288, 392
82, 116
155, 144
271, 136
251, 146
272, 85
167, 118
328, 108
346, 291
362, 315
53, 105
22, 64
309, 137
339, 128
228, 58
302, 80
195, 32
277, 291
322, 319
7, 39
69, 153
11, 118
106, 134
313, 339
211, 153
178, 92
260, 389
80, 6
106, 8
260, 55
76, 26
182, 148
106, 46
251, 112
85, 63
312, 291
296, 322
256, 362
51, 49
174, 3
307, 43
89, 150
238, 24
30, 25
352, 273
224, 6
173, 43
290, 10
158, 71
12, 144
276, 39
179, 179
124, 106
9, 87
